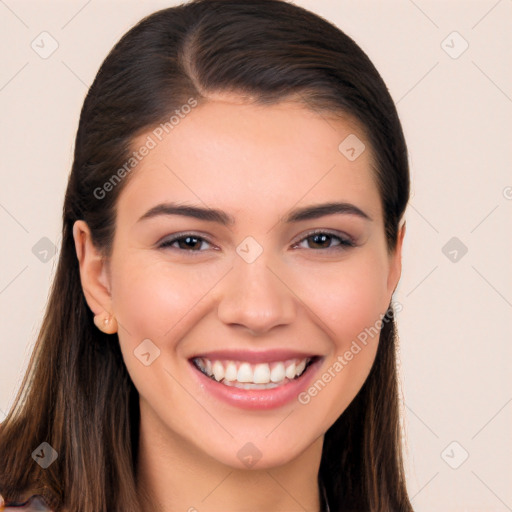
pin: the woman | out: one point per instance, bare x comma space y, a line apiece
220, 332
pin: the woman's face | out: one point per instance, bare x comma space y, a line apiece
261, 295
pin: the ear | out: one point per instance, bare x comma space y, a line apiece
93, 270
395, 269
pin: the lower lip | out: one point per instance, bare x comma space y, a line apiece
258, 398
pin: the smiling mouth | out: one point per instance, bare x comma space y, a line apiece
245, 375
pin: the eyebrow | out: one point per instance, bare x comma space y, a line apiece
223, 218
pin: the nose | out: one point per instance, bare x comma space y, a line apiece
256, 298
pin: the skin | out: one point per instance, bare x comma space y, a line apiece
256, 163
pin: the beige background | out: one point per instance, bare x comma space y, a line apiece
455, 327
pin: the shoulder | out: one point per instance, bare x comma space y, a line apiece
35, 503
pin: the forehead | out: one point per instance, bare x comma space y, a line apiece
255, 159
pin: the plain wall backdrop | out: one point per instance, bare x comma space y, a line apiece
447, 66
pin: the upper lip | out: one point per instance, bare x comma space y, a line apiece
254, 357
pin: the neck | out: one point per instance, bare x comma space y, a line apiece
174, 475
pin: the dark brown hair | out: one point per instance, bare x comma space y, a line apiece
77, 394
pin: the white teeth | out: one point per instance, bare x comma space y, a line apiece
248, 376
261, 374
291, 371
277, 374
231, 372
218, 370
244, 373
250, 385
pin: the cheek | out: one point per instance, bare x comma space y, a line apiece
348, 296
350, 299
160, 301
156, 299
153, 298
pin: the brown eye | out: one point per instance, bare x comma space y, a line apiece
324, 240
187, 242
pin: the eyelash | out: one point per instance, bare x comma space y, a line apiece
344, 242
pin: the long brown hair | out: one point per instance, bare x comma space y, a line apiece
77, 394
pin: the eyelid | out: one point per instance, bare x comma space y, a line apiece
345, 240
167, 241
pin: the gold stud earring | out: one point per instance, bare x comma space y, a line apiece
105, 322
